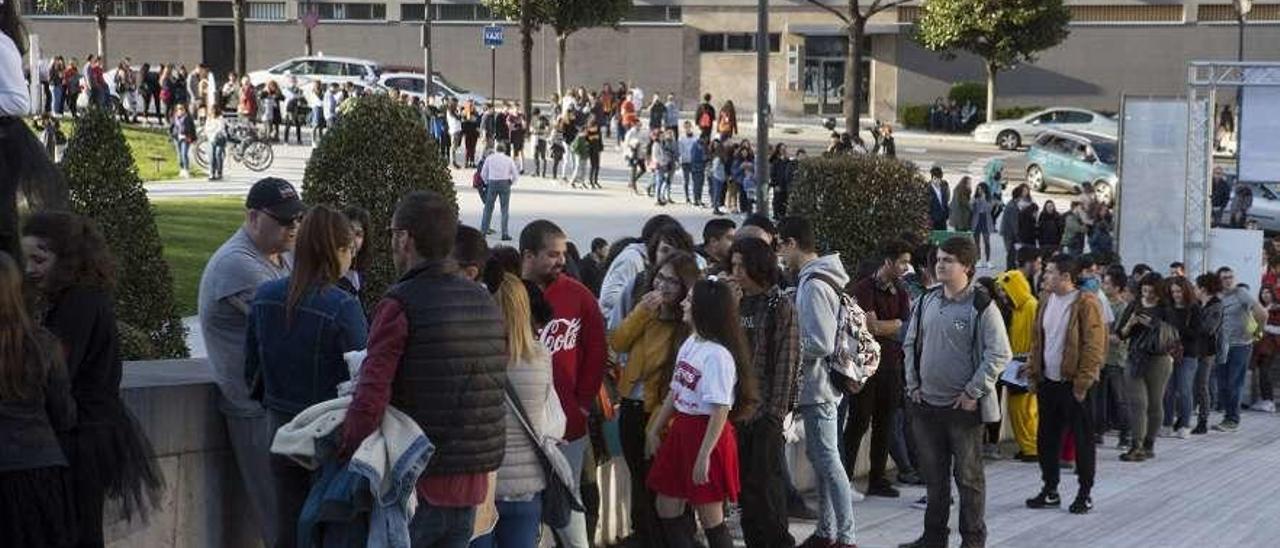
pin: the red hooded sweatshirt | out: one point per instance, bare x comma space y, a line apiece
576, 340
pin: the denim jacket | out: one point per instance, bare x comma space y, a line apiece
300, 362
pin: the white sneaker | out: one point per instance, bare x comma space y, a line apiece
1265, 406
1166, 431
857, 495
1182, 433
184, 174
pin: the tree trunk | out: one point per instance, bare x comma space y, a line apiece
307, 44
237, 14
101, 18
992, 69
526, 61
853, 74
562, 41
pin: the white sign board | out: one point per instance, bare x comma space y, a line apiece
1259, 126
1239, 249
1152, 188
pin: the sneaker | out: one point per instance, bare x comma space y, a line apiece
1265, 406
182, 173
990, 451
1226, 426
1124, 445
1201, 428
1135, 454
910, 478
1166, 431
1182, 433
856, 495
921, 503
1045, 499
883, 490
1081, 505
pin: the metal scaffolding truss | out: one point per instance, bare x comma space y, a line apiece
1204, 81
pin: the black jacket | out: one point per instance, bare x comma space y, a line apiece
1028, 229
28, 425
453, 370
1050, 230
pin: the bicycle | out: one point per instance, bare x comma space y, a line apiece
244, 145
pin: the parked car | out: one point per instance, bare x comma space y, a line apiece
413, 84
324, 69
1066, 159
1265, 209
1012, 134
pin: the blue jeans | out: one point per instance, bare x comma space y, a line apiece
699, 179
835, 494
519, 525
717, 193
1178, 397
663, 176
1231, 380
497, 190
687, 171
184, 156
438, 527
217, 157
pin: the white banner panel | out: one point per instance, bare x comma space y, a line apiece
1239, 249
1259, 130
1153, 174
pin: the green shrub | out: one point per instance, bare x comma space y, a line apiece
914, 116
969, 92
857, 201
377, 153
105, 187
1015, 112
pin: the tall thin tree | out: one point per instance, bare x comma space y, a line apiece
855, 19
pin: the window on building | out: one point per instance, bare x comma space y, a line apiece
653, 14
736, 42
146, 8
412, 12
351, 12
259, 11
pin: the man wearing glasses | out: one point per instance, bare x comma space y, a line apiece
257, 253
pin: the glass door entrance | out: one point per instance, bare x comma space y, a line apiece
823, 85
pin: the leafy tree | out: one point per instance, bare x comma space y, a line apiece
378, 152
1002, 32
855, 20
105, 187
857, 201
565, 17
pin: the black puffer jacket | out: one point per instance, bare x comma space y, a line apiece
452, 374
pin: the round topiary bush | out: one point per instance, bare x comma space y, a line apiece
378, 152
105, 187
857, 201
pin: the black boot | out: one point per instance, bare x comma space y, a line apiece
676, 533
718, 536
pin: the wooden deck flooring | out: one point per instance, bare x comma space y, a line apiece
1216, 490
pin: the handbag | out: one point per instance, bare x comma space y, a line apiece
560, 497
1159, 339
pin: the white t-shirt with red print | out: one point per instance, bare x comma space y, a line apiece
704, 377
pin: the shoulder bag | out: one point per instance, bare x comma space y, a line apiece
559, 498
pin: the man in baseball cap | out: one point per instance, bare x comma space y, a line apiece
255, 254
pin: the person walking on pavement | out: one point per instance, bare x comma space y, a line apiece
1068, 347
499, 173
817, 309
956, 349
939, 199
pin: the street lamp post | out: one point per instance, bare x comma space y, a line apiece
762, 107
1242, 7
427, 69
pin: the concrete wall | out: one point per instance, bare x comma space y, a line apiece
1092, 68
204, 504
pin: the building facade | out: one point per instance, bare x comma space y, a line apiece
691, 47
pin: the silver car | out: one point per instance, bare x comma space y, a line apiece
1012, 134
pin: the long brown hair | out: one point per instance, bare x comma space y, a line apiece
715, 318
81, 257
17, 338
686, 267
323, 235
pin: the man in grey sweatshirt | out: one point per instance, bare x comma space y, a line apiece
817, 308
955, 348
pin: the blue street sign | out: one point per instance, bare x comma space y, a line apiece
492, 36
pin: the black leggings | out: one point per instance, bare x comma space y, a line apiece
595, 167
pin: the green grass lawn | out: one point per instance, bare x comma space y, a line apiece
191, 229
146, 143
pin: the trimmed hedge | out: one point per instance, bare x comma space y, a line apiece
914, 116
857, 201
378, 152
105, 187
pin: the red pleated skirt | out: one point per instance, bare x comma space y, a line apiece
671, 473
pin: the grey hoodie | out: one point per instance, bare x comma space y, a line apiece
816, 307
